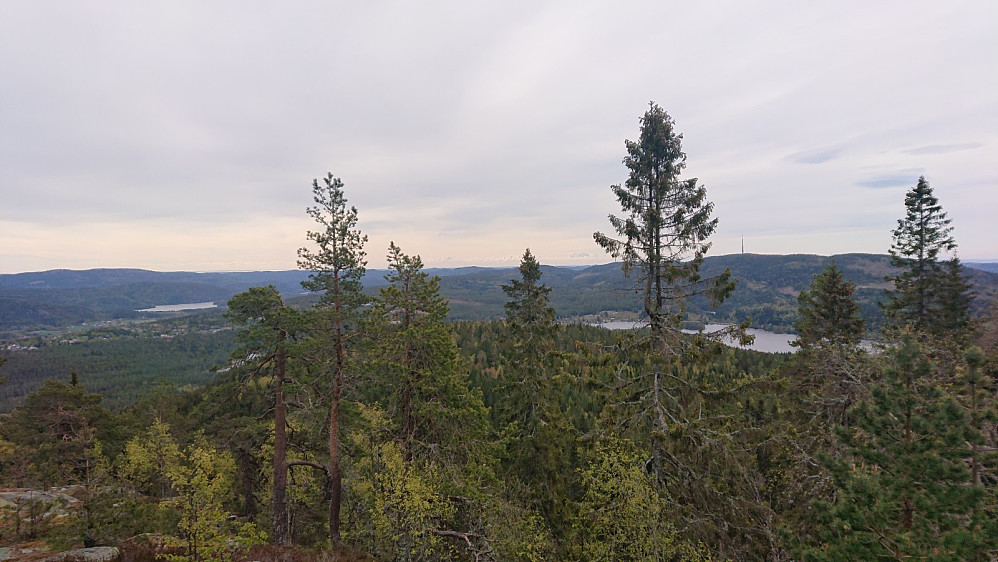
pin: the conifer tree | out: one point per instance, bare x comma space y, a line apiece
336, 267
954, 298
829, 315
440, 424
419, 366
903, 487
530, 331
664, 232
830, 373
922, 288
663, 395
532, 383
46, 431
268, 332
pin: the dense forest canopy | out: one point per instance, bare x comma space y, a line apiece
456, 418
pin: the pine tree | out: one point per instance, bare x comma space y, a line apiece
336, 268
922, 237
418, 365
268, 332
903, 486
438, 420
663, 235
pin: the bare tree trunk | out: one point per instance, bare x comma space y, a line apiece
335, 484
279, 508
335, 479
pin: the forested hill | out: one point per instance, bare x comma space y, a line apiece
768, 286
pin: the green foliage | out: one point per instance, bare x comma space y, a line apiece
903, 487
926, 295
402, 501
829, 315
665, 230
146, 457
50, 433
203, 482
621, 515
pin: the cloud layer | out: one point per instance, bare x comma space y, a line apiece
186, 135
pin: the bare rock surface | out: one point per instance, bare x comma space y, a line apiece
94, 554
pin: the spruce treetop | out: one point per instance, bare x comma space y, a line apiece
663, 234
923, 291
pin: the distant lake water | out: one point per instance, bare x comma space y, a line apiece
765, 341
178, 307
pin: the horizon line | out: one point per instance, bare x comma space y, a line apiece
512, 265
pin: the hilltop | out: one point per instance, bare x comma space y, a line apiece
768, 286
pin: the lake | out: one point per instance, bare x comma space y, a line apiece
179, 307
765, 341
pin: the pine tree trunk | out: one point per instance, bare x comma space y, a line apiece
279, 508
335, 478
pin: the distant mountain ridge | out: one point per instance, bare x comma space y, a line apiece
767, 291
991, 267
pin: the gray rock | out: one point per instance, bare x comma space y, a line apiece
94, 554
25, 496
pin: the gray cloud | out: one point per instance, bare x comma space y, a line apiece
943, 148
814, 156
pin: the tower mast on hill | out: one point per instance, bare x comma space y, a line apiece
743, 243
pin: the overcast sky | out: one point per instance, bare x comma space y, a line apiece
185, 135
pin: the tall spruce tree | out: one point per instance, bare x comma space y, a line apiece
666, 395
921, 293
530, 331
663, 234
533, 383
336, 267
